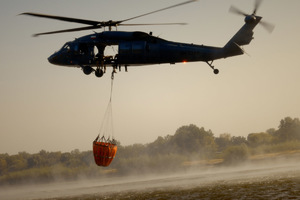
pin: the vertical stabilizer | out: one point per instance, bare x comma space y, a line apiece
243, 37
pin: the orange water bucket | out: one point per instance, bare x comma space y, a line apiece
104, 153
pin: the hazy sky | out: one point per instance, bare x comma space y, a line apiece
55, 108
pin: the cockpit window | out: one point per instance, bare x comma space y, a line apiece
66, 47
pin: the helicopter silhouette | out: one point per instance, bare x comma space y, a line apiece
139, 48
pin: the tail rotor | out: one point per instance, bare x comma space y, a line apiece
250, 18
256, 6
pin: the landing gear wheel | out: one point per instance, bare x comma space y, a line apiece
87, 70
216, 71
99, 73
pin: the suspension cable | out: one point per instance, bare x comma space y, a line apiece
107, 127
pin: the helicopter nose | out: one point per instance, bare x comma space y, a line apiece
53, 59
50, 59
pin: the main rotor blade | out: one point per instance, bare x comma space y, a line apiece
236, 11
99, 24
67, 19
152, 24
176, 5
68, 30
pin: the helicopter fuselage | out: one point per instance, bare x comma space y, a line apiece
134, 48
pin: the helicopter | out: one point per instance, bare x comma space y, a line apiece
140, 48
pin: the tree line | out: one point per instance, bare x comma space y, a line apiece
165, 154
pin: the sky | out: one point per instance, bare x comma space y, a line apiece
44, 106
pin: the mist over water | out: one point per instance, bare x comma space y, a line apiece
276, 179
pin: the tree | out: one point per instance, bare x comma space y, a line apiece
16, 163
191, 139
34, 161
236, 154
271, 131
3, 163
289, 129
159, 146
223, 141
238, 140
256, 139
53, 158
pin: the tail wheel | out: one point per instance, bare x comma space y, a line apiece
216, 71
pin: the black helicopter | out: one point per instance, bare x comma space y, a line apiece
140, 48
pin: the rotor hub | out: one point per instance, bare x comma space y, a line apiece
250, 19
